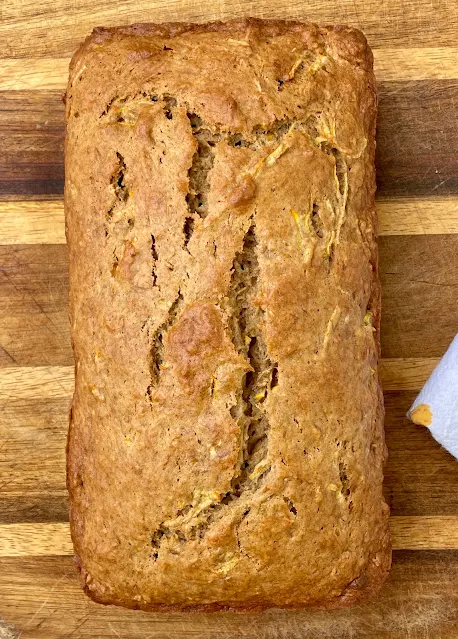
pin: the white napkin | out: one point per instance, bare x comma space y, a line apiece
436, 407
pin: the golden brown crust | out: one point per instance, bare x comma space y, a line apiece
357, 592
226, 446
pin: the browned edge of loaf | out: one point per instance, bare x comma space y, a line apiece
357, 48
354, 48
357, 592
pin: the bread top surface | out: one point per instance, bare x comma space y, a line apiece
226, 443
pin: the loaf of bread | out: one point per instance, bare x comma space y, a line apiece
226, 443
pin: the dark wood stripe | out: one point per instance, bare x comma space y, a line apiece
46, 508
50, 585
419, 292
421, 478
28, 197
21, 187
417, 138
417, 151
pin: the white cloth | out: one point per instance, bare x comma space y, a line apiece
436, 407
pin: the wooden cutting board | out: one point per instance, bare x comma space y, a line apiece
416, 54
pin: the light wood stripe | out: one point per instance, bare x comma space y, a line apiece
432, 63
28, 382
56, 382
429, 216
23, 540
424, 532
407, 533
29, 222
42, 222
23, 74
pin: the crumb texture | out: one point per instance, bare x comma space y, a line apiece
226, 444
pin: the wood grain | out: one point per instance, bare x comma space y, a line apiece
419, 277
421, 477
433, 63
417, 139
53, 382
42, 598
32, 143
34, 326
43, 506
22, 540
417, 216
33, 222
56, 27
408, 373
42, 222
24, 74
422, 533
33, 434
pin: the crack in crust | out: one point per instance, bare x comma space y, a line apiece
246, 328
155, 257
122, 110
202, 164
246, 319
120, 190
157, 342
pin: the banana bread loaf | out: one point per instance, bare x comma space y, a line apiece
226, 443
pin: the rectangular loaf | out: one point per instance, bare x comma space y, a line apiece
226, 443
